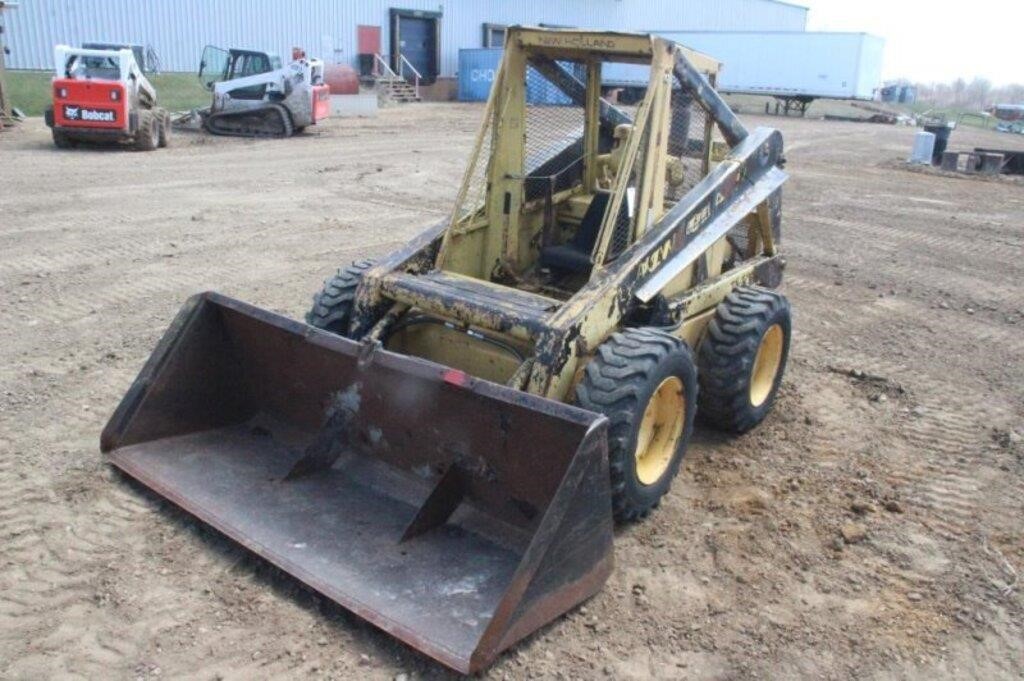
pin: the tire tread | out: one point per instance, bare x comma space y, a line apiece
613, 384
727, 353
332, 305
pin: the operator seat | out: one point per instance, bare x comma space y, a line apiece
574, 255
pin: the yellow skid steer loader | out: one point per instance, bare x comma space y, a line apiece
443, 446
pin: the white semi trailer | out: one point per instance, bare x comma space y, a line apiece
796, 67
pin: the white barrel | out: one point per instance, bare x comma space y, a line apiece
924, 145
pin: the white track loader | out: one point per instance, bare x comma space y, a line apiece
255, 96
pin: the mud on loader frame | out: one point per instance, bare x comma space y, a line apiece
363, 454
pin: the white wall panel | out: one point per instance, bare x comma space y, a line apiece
179, 29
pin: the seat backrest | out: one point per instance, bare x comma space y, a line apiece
590, 225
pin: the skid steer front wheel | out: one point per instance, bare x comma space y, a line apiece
743, 357
645, 381
332, 306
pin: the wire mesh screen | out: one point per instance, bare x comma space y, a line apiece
472, 201
553, 144
626, 219
689, 134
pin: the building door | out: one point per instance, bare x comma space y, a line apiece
368, 39
415, 37
494, 35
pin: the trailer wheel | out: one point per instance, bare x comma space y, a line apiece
147, 137
164, 117
645, 381
743, 357
332, 306
62, 141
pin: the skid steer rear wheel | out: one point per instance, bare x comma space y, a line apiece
147, 137
164, 117
743, 357
645, 381
61, 140
332, 306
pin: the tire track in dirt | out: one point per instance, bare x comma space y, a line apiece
944, 458
945, 451
94, 292
112, 582
59, 565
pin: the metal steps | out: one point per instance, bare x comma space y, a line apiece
397, 90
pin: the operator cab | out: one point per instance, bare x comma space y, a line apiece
137, 50
87, 67
106, 67
218, 65
567, 176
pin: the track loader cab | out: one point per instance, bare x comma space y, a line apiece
218, 65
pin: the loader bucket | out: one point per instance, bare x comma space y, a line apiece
455, 514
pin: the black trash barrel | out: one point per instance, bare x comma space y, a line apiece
941, 132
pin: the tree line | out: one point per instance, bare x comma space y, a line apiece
977, 93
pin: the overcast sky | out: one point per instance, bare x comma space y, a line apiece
934, 41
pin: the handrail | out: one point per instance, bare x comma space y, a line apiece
403, 62
379, 60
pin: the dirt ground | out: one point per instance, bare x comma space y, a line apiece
899, 423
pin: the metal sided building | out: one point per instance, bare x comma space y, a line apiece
428, 34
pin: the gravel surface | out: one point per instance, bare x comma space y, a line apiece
870, 528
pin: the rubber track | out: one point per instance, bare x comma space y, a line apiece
612, 385
727, 354
224, 118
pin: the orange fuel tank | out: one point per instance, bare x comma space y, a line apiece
341, 79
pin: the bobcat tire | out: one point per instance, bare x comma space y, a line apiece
147, 137
62, 141
164, 117
743, 357
645, 381
332, 306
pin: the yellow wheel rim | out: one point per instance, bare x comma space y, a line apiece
766, 365
660, 430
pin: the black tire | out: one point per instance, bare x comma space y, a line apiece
62, 141
147, 136
737, 390
332, 306
165, 128
629, 368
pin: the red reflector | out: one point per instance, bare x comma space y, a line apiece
455, 377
